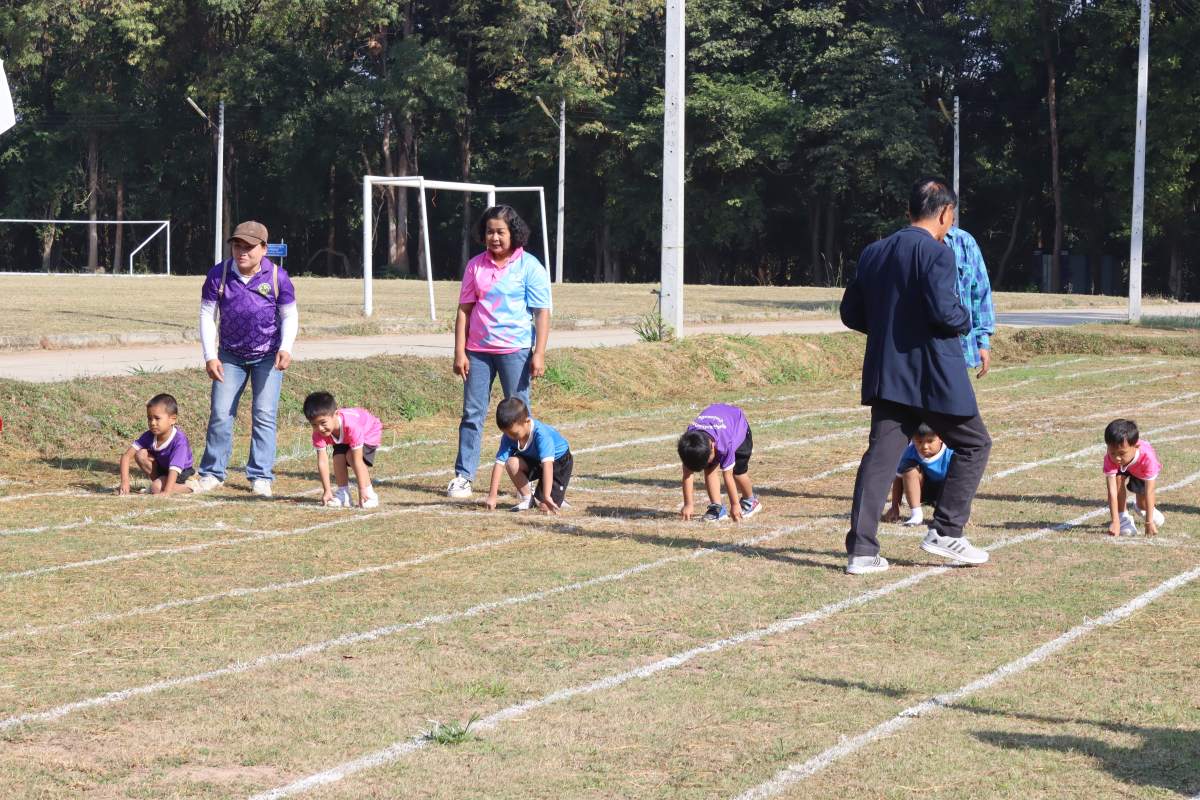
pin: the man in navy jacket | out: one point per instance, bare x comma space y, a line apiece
904, 296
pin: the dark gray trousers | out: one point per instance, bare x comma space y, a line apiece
892, 426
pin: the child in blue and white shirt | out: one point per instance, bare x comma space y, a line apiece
528, 448
920, 476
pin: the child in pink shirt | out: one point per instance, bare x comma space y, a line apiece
1129, 457
353, 434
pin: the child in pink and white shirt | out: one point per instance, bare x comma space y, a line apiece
1129, 457
353, 434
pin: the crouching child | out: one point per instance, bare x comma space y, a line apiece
162, 453
353, 434
920, 475
1130, 465
719, 440
530, 448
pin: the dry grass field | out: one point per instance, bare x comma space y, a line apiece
50, 304
223, 647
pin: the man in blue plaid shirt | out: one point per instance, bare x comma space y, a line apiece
975, 291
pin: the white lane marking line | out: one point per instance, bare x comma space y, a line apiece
121, 519
1108, 390
402, 748
1129, 541
1041, 366
192, 548
1096, 448
252, 590
1072, 375
11, 497
1119, 412
796, 773
240, 667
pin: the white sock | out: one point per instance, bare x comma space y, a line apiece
526, 501
1125, 515
918, 516
343, 489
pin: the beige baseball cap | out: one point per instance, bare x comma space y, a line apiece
251, 231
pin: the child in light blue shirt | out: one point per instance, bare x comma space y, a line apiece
530, 448
920, 476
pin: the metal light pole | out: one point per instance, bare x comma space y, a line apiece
957, 199
1139, 170
561, 122
218, 250
673, 168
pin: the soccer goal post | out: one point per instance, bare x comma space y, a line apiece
421, 184
163, 225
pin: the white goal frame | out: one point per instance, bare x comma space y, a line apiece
421, 184
162, 224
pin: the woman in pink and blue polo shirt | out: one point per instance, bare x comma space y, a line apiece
505, 298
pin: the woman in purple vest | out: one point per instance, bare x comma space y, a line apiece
251, 345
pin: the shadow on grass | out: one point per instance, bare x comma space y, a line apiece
873, 688
1165, 759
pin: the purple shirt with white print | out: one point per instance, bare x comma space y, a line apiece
174, 454
727, 426
250, 324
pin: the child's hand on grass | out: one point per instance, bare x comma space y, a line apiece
548, 505
490, 503
327, 497
687, 511
1114, 528
892, 514
124, 490
1151, 528
735, 511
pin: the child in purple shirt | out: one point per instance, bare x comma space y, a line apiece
719, 439
162, 453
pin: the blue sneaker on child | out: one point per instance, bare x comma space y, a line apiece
750, 506
716, 512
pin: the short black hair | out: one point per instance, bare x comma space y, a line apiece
319, 404
924, 430
1121, 431
510, 217
166, 401
695, 450
511, 411
930, 194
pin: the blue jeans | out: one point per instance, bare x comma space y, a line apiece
265, 382
513, 369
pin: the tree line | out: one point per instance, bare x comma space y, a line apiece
806, 122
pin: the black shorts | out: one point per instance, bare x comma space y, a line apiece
562, 476
184, 475
368, 452
741, 456
1135, 485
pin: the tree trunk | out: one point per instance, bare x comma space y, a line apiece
600, 232
814, 224
48, 238
1176, 279
422, 263
116, 265
464, 157
608, 264
332, 212
829, 243
1052, 102
1012, 242
402, 262
227, 205
93, 261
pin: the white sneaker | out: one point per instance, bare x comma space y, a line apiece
261, 487
372, 500
205, 483
861, 565
459, 488
1159, 519
949, 547
525, 504
1128, 527
341, 498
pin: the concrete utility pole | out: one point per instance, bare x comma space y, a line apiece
1139, 170
218, 248
957, 198
561, 122
673, 169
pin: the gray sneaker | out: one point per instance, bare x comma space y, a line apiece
949, 547
861, 565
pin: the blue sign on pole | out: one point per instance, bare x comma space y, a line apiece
277, 250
